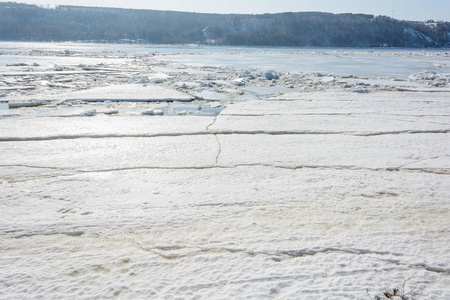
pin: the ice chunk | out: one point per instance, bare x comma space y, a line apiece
71, 112
109, 111
18, 87
187, 85
240, 81
209, 77
212, 96
267, 90
4, 106
223, 83
153, 112
140, 79
158, 77
214, 104
24, 104
271, 74
158, 80
17, 65
64, 86
88, 113
327, 79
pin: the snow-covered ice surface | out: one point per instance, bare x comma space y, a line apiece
311, 185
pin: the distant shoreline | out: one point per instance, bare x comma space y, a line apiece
24, 22
224, 46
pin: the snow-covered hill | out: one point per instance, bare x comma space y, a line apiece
75, 23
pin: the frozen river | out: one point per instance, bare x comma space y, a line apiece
169, 172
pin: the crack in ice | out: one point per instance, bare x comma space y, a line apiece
212, 124
67, 233
220, 150
216, 132
438, 171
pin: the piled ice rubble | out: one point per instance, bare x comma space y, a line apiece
106, 75
431, 78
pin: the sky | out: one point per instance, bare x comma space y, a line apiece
417, 10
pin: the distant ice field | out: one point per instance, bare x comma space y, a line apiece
376, 62
337, 62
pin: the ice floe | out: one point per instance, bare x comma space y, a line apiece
130, 92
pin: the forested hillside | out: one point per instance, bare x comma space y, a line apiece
23, 22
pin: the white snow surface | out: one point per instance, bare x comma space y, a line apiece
317, 193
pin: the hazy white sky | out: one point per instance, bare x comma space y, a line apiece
401, 9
